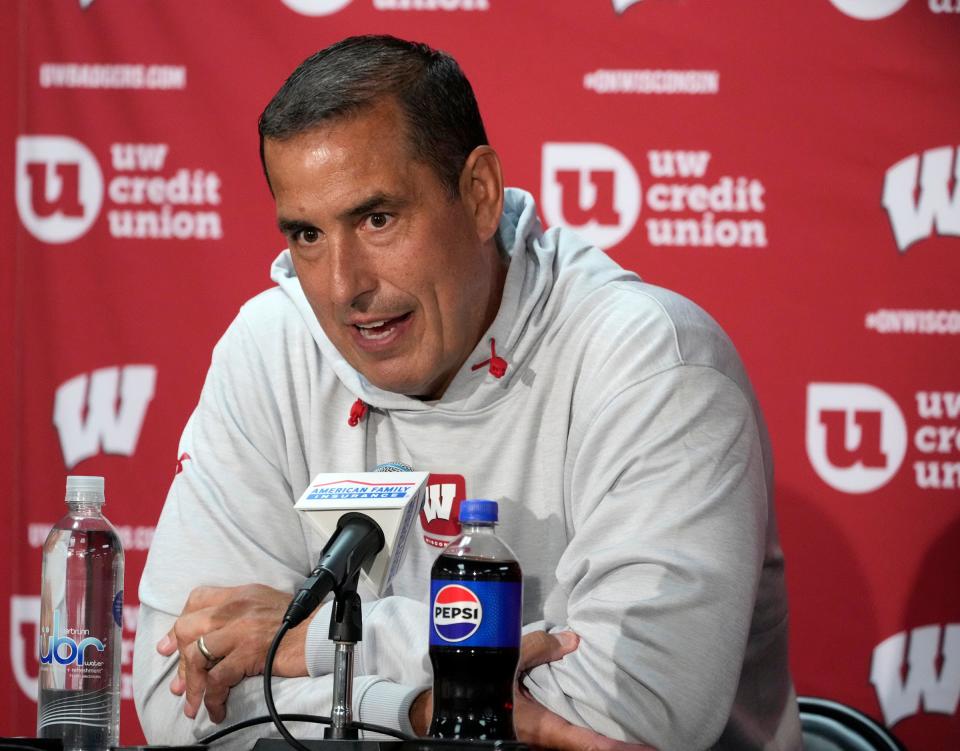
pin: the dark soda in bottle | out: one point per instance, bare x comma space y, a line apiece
476, 594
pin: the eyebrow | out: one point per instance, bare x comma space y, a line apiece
292, 226
377, 202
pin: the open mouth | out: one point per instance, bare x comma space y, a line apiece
376, 330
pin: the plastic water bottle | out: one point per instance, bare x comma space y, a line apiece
476, 594
81, 607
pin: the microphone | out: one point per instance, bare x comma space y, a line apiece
357, 538
366, 521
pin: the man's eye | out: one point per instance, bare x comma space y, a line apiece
307, 236
378, 221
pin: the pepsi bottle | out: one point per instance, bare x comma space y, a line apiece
476, 593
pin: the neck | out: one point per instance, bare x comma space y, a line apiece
499, 265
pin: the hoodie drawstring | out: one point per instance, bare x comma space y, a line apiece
498, 366
357, 412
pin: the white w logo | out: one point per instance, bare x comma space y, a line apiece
913, 220
439, 501
901, 698
108, 415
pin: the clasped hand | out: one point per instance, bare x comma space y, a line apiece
237, 625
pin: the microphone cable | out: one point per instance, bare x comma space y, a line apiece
268, 688
264, 719
278, 719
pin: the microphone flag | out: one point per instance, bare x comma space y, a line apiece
391, 498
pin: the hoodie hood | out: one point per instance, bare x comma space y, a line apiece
549, 271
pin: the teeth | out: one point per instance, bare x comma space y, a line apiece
374, 325
370, 335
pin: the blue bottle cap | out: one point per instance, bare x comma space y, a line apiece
478, 510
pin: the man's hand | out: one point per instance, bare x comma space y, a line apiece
535, 724
237, 625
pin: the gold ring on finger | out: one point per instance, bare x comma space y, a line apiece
206, 653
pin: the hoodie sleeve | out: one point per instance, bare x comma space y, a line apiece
229, 520
668, 513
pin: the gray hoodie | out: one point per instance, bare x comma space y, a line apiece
634, 477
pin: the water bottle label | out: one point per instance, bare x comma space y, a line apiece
118, 608
64, 649
475, 614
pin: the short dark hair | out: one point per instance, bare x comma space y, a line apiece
442, 118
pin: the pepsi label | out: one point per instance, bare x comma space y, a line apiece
475, 614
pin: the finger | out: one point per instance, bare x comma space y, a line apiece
200, 598
196, 668
537, 726
178, 685
539, 647
195, 680
191, 626
220, 679
168, 644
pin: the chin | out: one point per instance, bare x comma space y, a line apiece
398, 385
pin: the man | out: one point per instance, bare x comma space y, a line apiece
422, 315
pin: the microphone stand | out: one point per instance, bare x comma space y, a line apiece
346, 629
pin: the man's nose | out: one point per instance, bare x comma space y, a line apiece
351, 277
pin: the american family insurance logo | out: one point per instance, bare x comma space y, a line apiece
61, 188
596, 190
857, 437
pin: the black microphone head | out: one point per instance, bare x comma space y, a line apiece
393, 467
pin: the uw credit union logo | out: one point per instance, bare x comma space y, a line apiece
591, 188
59, 187
316, 7
856, 435
868, 10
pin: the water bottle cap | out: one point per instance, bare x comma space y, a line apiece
478, 510
84, 484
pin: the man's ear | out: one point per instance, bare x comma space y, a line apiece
481, 188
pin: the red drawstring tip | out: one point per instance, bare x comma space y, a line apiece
498, 366
357, 412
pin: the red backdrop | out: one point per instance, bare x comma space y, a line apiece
792, 167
